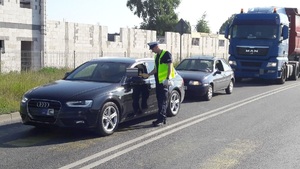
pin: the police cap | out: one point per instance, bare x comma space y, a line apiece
152, 45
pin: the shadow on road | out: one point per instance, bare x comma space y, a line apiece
18, 135
254, 82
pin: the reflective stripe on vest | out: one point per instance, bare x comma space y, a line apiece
163, 69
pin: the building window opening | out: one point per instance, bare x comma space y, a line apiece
2, 48
25, 4
26, 55
221, 43
195, 41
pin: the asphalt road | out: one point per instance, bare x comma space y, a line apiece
257, 126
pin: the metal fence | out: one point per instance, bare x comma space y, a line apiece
35, 60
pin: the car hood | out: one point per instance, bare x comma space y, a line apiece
192, 74
65, 89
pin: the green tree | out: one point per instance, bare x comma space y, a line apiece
157, 15
190, 28
202, 24
224, 25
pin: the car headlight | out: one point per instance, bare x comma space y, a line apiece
24, 99
231, 62
271, 64
195, 82
82, 103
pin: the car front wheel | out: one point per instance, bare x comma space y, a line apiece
174, 104
229, 88
209, 93
108, 119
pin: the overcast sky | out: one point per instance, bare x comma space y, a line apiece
115, 14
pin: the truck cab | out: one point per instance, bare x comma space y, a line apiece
259, 44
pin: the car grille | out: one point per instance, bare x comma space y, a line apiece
43, 110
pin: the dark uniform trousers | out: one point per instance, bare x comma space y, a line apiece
162, 101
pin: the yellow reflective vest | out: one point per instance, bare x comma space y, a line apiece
162, 70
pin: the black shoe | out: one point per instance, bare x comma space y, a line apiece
157, 123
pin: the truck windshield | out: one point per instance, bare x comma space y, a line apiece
255, 31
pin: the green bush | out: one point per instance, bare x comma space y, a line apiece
14, 84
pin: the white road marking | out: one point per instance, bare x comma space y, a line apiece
162, 132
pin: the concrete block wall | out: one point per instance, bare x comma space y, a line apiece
67, 44
82, 42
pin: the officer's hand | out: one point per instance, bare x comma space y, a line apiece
166, 82
144, 75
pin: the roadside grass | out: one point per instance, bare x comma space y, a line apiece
13, 85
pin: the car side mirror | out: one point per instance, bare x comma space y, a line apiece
217, 72
67, 74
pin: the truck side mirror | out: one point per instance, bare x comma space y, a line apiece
285, 32
227, 32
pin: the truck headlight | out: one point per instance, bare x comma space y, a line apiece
82, 103
231, 62
271, 64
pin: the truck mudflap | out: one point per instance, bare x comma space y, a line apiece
293, 70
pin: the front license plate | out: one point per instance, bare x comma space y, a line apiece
48, 112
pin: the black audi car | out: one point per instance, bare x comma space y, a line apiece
205, 75
98, 95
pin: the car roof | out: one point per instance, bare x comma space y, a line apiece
206, 57
145, 59
120, 59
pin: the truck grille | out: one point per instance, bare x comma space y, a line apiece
251, 64
247, 51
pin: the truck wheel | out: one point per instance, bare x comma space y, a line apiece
295, 74
108, 119
283, 76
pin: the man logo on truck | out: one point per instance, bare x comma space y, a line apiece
251, 51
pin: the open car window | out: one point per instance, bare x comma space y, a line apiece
219, 65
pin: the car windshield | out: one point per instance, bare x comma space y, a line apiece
196, 65
110, 72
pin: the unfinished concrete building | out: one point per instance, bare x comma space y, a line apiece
22, 24
28, 41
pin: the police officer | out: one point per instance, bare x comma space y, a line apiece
163, 71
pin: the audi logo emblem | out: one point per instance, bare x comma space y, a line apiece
43, 104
